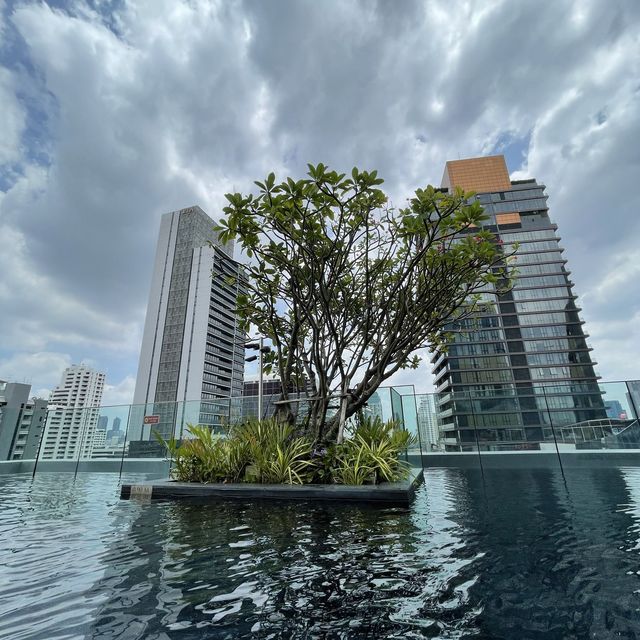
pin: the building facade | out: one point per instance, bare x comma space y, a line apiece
428, 423
271, 393
521, 367
21, 421
192, 355
72, 416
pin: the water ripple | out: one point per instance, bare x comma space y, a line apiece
522, 554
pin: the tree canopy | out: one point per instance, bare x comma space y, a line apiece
348, 288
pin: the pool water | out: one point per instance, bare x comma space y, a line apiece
513, 554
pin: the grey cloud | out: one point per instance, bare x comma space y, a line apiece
160, 105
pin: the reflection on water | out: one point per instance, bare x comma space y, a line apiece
522, 555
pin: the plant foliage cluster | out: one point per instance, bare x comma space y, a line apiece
273, 452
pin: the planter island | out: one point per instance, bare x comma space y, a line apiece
389, 493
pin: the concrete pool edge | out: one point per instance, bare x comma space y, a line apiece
396, 493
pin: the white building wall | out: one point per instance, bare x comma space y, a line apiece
156, 310
73, 414
195, 335
183, 373
428, 424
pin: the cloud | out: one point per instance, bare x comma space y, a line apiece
37, 313
120, 393
116, 114
12, 123
45, 367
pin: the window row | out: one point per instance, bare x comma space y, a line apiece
538, 269
520, 205
477, 377
540, 281
542, 305
487, 362
478, 336
528, 247
535, 258
567, 344
547, 318
551, 332
525, 236
550, 292
518, 194
487, 348
486, 322
566, 357
576, 371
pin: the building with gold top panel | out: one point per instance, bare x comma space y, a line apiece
522, 367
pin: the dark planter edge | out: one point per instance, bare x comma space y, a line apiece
398, 493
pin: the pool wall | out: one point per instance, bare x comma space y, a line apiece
466, 460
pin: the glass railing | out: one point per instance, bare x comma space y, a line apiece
556, 420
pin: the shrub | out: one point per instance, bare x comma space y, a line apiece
352, 466
375, 446
289, 463
271, 452
276, 454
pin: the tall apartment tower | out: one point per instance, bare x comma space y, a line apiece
522, 366
192, 355
73, 413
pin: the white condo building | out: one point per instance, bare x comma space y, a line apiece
73, 414
192, 355
428, 423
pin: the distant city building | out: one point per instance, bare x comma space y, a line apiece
115, 436
428, 423
99, 438
108, 443
192, 348
21, 421
271, 392
373, 407
614, 410
523, 365
73, 414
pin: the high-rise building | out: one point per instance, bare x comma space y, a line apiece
21, 421
428, 423
522, 366
72, 418
192, 355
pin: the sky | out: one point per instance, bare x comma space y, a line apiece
115, 112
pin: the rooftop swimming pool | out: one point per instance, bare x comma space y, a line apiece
511, 554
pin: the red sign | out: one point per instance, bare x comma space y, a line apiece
151, 419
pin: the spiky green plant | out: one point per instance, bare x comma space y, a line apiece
352, 466
289, 463
378, 445
271, 452
270, 446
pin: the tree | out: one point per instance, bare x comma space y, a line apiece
348, 288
